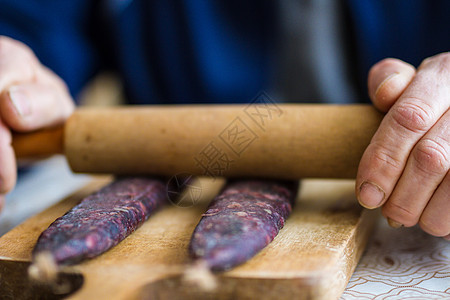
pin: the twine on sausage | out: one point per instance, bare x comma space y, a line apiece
199, 274
45, 271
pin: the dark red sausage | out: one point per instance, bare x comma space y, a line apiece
241, 221
102, 220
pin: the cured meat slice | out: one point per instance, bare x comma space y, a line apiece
101, 220
241, 221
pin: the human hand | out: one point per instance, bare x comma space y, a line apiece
31, 97
408, 159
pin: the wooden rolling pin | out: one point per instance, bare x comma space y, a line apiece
284, 141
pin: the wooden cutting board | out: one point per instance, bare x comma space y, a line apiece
313, 256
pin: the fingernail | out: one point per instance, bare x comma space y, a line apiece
370, 195
394, 224
20, 101
384, 81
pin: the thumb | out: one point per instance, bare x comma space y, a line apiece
30, 106
387, 80
7, 162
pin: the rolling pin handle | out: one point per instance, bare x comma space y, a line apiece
42, 143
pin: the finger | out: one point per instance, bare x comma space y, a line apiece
2, 202
387, 80
31, 106
426, 168
424, 101
435, 219
17, 63
7, 161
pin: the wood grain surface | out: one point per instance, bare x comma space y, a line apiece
313, 256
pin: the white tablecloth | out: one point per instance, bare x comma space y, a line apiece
403, 263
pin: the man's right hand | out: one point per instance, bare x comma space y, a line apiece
31, 97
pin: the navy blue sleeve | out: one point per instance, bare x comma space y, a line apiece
411, 30
58, 32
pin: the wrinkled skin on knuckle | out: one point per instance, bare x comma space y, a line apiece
381, 157
413, 117
432, 157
